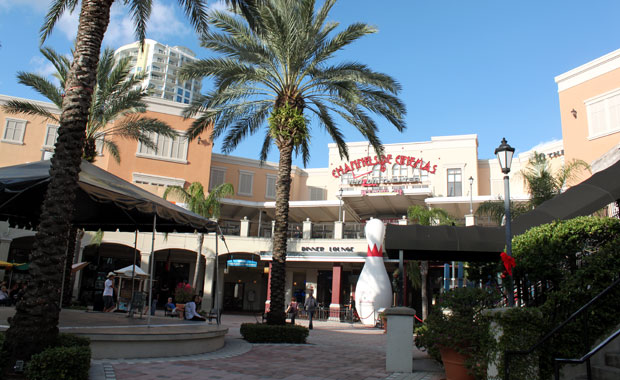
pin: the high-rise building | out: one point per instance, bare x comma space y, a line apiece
160, 64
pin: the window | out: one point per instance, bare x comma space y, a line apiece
270, 192
171, 148
376, 171
186, 101
51, 136
455, 185
346, 178
179, 99
245, 182
317, 193
187, 94
14, 131
399, 171
217, 177
604, 114
180, 91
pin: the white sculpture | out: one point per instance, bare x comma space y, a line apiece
373, 290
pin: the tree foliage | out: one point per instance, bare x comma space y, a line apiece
116, 105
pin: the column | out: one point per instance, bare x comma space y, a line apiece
245, 227
334, 307
5, 244
338, 230
307, 231
207, 285
77, 278
288, 287
268, 302
311, 281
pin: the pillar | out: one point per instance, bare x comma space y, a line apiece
399, 347
307, 231
268, 301
311, 281
334, 307
245, 227
207, 284
338, 229
288, 287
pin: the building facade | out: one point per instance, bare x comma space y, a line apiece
328, 209
160, 65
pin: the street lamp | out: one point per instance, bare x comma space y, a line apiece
340, 206
471, 195
504, 154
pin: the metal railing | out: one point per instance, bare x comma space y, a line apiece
584, 358
509, 353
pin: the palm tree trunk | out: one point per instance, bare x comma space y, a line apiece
276, 314
201, 238
424, 275
35, 324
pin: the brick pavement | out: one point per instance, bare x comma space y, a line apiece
335, 351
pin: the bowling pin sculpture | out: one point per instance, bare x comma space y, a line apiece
373, 290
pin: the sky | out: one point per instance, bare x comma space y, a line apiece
484, 67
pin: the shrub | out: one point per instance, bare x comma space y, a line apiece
457, 322
67, 363
263, 333
71, 340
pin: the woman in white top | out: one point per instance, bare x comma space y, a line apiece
190, 310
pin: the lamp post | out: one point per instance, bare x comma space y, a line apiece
340, 206
504, 154
471, 195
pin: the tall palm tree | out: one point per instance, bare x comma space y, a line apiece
207, 206
115, 99
275, 76
425, 217
496, 209
35, 324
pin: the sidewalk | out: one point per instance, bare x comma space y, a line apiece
335, 351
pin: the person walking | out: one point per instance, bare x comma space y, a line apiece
292, 310
108, 293
310, 306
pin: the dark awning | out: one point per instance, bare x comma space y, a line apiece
444, 243
585, 198
104, 201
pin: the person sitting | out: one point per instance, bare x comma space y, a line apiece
4, 297
190, 310
170, 307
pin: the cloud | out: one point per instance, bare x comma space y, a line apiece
39, 6
44, 68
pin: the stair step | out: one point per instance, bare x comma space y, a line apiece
605, 373
612, 359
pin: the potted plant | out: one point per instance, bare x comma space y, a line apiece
457, 334
183, 294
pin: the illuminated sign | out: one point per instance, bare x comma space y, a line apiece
327, 249
241, 263
369, 162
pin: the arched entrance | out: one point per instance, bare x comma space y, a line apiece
175, 266
102, 258
244, 282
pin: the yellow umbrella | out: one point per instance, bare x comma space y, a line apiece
5, 264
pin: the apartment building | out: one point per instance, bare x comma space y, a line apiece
160, 65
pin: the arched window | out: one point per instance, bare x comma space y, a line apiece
399, 171
376, 171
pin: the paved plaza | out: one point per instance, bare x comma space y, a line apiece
334, 351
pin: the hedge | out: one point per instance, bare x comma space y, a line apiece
67, 363
263, 333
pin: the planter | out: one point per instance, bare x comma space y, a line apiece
181, 310
454, 364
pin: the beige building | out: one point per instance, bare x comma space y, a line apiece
328, 208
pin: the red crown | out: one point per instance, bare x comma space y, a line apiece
375, 251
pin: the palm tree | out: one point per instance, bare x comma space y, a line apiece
114, 99
207, 206
425, 217
542, 183
35, 324
274, 76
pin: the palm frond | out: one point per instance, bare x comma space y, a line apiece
60, 62
42, 86
196, 12
112, 148
18, 106
140, 13
57, 9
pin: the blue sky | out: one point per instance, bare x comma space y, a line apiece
477, 66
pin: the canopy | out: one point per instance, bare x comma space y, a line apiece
127, 271
104, 201
444, 243
586, 198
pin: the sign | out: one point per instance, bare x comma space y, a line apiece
327, 249
370, 162
241, 263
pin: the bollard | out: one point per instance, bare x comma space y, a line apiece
399, 350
